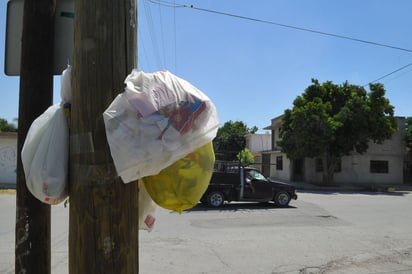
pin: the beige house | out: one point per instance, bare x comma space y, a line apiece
8, 157
381, 164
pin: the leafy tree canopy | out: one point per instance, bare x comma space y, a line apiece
329, 121
6, 126
408, 128
245, 157
230, 139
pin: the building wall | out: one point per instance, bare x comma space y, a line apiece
8, 157
258, 142
355, 168
283, 174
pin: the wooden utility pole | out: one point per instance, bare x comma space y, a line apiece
32, 253
103, 226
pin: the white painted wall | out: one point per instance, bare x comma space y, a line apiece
258, 142
283, 174
8, 157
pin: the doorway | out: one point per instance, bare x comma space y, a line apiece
298, 170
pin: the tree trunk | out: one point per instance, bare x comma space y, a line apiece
329, 165
103, 229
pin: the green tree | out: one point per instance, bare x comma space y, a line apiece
408, 139
230, 140
329, 121
245, 157
6, 126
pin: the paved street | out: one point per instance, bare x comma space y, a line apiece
319, 233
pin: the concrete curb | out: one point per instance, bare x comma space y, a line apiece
353, 187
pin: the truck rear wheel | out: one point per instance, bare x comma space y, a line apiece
215, 199
282, 199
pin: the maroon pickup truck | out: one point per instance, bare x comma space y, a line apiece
246, 184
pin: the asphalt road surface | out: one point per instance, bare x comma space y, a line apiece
319, 233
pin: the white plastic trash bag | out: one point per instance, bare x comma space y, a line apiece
157, 120
45, 153
45, 156
66, 86
147, 209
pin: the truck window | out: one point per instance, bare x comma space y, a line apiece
255, 175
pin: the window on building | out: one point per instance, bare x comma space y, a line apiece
279, 163
379, 166
266, 164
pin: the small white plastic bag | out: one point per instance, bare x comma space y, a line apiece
147, 208
66, 86
157, 120
45, 156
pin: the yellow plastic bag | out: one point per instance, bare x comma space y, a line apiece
181, 185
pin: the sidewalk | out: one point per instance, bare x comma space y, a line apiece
347, 187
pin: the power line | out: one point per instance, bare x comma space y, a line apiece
386, 75
160, 48
142, 45
152, 33
166, 4
172, 5
301, 29
162, 36
175, 40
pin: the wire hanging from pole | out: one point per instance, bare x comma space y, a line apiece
171, 5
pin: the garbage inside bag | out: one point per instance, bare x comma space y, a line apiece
147, 208
181, 185
157, 120
45, 156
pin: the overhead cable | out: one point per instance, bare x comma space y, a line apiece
162, 36
172, 5
142, 45
152, 33
175, 37
380, 78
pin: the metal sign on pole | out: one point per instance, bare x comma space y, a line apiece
63, 36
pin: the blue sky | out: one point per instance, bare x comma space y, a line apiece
253, 71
